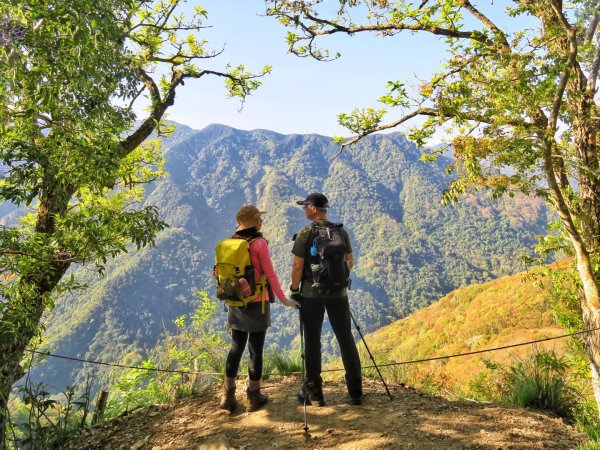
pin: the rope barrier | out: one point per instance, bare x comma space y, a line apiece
124, 366
504, 347
436, 358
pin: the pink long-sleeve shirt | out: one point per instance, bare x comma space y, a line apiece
261, 260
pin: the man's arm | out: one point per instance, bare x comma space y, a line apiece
350, 261
297, 267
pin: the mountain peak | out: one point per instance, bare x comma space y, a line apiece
215, 130
216, 127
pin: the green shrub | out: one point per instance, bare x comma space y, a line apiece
541, 381
136, 388
486, 385
586, 420
44, 421
278, 364
592, 444
192, 349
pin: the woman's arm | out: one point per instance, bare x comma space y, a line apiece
262, 251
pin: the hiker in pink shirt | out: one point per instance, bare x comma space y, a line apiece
249, 324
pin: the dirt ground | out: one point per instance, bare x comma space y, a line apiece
412, 420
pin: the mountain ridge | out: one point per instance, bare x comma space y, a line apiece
409, 249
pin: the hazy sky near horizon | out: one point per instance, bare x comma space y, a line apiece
300, 95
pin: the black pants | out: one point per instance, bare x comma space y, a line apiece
256, 343
338, 311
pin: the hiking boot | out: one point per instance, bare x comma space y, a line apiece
357, 400
315, 394
255, 400
228, 400
355, 391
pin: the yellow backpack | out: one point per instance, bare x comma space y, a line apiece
234, 273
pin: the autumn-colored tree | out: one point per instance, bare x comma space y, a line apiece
71, 151
521, 103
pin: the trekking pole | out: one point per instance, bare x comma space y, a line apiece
370, 355
304, 389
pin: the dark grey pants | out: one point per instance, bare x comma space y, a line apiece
338, 311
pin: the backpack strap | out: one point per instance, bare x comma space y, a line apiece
261, 284
306, 273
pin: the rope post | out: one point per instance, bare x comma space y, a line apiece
196, 374
100, 406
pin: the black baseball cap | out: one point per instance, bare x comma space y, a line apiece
315, 199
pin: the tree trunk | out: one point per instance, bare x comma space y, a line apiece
590, 310
584, 240
20, 321
586, 153
588, 162
18, 326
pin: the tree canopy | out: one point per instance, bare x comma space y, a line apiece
520, 103
73, 152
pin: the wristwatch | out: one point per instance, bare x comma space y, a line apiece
294, 289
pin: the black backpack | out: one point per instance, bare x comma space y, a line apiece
325, 263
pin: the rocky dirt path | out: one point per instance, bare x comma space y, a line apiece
412, 420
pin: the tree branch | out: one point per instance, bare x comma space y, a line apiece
415, 113
165, 28
180, 54
149, 83
432, 112
562, 85
556, 193
167, 15
486, 21
337, 28
61, 257
159, 106
593, 78
573, 46
559, 15
591, 31
136, 96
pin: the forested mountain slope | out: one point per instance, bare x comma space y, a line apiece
410, 249
503, 312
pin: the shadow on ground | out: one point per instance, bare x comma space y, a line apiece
412, 420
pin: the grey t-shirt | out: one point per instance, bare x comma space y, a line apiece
300, 249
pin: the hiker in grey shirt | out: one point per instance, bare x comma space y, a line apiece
316, 297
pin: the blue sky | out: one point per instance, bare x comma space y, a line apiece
300, 95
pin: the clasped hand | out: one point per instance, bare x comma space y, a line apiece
291, 302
